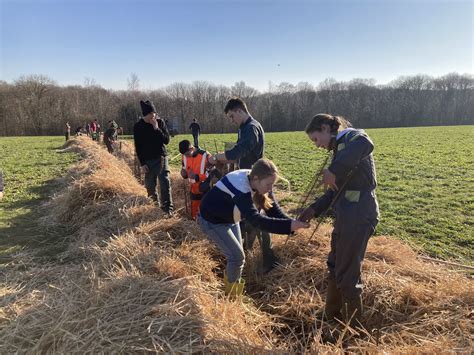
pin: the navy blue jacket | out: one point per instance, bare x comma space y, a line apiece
195, 128
250, 144
230, 201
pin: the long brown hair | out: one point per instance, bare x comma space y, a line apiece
334, 123
262, 169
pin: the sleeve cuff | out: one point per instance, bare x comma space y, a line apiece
229, 156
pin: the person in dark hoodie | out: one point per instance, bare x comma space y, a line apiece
351, 182
248, 149
151, 136
111, 136
196, 131
239, 195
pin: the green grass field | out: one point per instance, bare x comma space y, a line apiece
30, 166
425, 176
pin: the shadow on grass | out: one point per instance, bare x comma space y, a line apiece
21, 229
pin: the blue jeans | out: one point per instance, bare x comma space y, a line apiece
228, 239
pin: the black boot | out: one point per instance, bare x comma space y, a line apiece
333, 306
352, 310
270, 260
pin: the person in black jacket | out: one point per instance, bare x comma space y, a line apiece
248, 149
352, 181
151, 136
239, 195
196, 131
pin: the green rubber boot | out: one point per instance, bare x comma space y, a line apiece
234, 289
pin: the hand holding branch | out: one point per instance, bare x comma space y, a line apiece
329, 180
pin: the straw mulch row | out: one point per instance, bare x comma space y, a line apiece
132, 280
410, 306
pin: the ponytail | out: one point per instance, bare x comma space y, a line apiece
262, 169
262, 201
334, 123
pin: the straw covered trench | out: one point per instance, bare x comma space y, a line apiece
132, 280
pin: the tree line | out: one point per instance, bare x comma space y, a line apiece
36, 105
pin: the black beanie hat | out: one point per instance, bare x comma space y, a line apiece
147, 107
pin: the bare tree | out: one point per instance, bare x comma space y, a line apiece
133, 83
36, 105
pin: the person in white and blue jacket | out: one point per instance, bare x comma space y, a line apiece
240, 195
352, 181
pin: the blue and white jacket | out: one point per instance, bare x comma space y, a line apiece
230, 201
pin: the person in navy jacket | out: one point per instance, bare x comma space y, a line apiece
241, 195
351, 182
249, 148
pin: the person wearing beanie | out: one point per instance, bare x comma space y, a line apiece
151, 136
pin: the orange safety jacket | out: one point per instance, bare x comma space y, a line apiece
197, 163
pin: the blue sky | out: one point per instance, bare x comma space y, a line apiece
228, 41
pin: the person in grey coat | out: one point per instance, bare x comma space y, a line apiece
351, 182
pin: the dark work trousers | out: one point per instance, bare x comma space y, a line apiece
158, 168
355, 223
196, 139
250, 233
109, 145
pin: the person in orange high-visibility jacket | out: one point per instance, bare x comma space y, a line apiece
194, 166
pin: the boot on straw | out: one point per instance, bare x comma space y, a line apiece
333, 306
352, 310
234, 289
